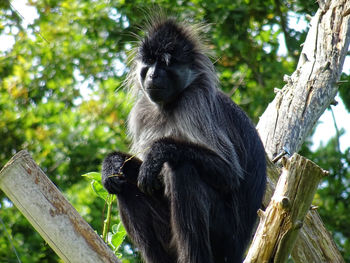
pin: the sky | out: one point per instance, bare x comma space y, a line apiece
325, 129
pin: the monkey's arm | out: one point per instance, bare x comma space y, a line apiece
119, 169
214, 170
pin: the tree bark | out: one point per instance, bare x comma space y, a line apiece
284, 216
51, 214
290, 117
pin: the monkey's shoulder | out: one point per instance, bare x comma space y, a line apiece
239, 123
232, 111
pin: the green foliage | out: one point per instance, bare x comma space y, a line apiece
97, 186
118, 234
61, 96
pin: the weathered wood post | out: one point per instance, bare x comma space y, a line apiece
39, 200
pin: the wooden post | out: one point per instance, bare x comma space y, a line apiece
284, 216
39, 200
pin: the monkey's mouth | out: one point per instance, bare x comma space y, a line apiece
156, 92
154, 89
158, 95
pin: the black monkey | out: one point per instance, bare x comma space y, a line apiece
193, 195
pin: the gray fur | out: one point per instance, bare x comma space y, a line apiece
207, 208
196, 117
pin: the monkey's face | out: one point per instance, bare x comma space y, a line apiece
163, 82
165, 63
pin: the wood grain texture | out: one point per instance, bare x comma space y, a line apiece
39, 200
290, 117
284, 216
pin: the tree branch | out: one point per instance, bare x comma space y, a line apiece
290, 117
283, 218
50, 213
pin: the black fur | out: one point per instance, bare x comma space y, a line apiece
194, 197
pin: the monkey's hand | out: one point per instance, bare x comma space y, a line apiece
118, 170
149, 177
215, 171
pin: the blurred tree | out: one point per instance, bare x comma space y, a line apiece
58, 98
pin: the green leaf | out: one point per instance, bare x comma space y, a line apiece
98, 188
119, 234
93, 176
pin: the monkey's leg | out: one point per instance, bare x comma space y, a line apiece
227, 242
190, 206
147, 222
146, 219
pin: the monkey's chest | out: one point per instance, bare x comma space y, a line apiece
149, 134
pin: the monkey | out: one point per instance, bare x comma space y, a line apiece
192, 193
